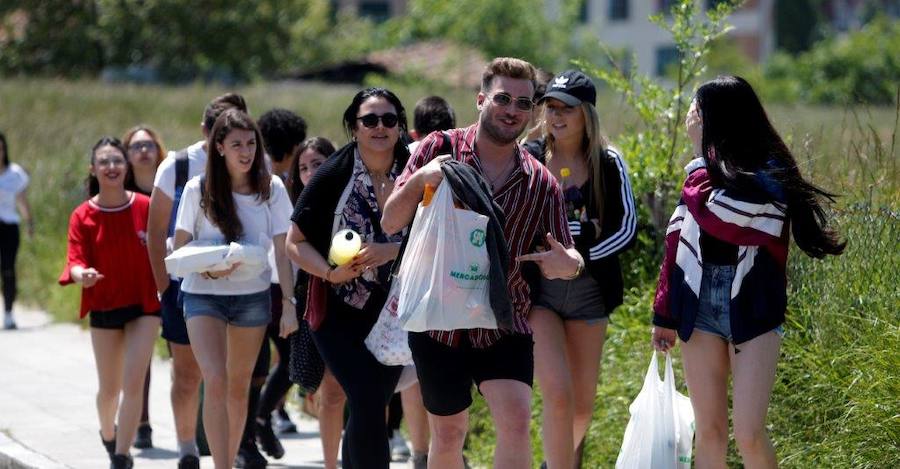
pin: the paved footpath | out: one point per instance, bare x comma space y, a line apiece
48, 417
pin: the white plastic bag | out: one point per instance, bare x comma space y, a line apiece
388, 340
660, 432
445, 269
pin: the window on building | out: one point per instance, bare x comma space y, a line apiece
618, 10
377, 11
665, 6
666, 57
584, 13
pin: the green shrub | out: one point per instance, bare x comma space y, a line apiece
861, 66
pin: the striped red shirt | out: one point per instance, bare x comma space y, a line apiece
533, 204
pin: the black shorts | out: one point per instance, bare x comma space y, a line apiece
174, 328
446, 373
117, 318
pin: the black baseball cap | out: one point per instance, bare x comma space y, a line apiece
571, 87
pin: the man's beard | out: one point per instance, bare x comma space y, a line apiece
497, 134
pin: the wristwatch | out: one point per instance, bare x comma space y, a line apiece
292, 299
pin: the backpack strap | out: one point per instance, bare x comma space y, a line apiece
182, 166
181, 169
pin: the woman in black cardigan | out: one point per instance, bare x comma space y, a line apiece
349, 191
569, 317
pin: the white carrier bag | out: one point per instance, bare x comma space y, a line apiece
660, 432
445, 271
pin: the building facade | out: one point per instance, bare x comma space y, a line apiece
623, 24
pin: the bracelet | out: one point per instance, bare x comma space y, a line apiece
578, 271
328, 274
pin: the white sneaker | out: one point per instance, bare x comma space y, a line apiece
399, 449
8, 322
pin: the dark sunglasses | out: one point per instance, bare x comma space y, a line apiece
388, 119
504, 99
142, 146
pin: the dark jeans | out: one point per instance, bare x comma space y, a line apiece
368, 384
9, 247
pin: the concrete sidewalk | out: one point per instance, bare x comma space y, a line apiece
48, 417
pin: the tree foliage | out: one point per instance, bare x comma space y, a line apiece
655, 144
60, 37
862, 66
518, 28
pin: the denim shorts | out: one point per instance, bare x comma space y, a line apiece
576, 299
714, 314
250, 310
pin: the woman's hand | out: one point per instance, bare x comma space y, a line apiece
289, 322
664, 339
373, 255
343, 273
694, 125
217, 274
89, 277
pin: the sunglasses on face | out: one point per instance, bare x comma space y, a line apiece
388, 119
142, 146
504, 99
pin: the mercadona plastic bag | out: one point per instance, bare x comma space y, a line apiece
444, 273
660, 432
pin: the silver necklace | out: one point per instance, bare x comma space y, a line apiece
493, 180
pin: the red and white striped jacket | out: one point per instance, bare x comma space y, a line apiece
759, 227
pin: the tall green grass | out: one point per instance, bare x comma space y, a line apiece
836, 402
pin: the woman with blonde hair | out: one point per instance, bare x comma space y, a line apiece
569, 317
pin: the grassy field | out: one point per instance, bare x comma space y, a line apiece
837, 398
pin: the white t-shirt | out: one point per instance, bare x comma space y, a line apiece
165, 173
261, 222
12, 182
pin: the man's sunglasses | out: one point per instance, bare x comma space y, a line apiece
504, 99
388, 119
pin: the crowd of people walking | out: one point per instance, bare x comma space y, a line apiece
566, 210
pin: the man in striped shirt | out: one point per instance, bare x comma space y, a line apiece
499, 362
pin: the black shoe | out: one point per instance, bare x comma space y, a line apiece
267, 439
249, 457
121, 461
110, 445
189, 462
144, 438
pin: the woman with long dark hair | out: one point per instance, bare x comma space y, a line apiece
570, 317
14, 208
329, 399
120, 297
236, 200
349, 191
722, 288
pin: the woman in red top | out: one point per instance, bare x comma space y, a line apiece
107, 255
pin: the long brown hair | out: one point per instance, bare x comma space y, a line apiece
217, 200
